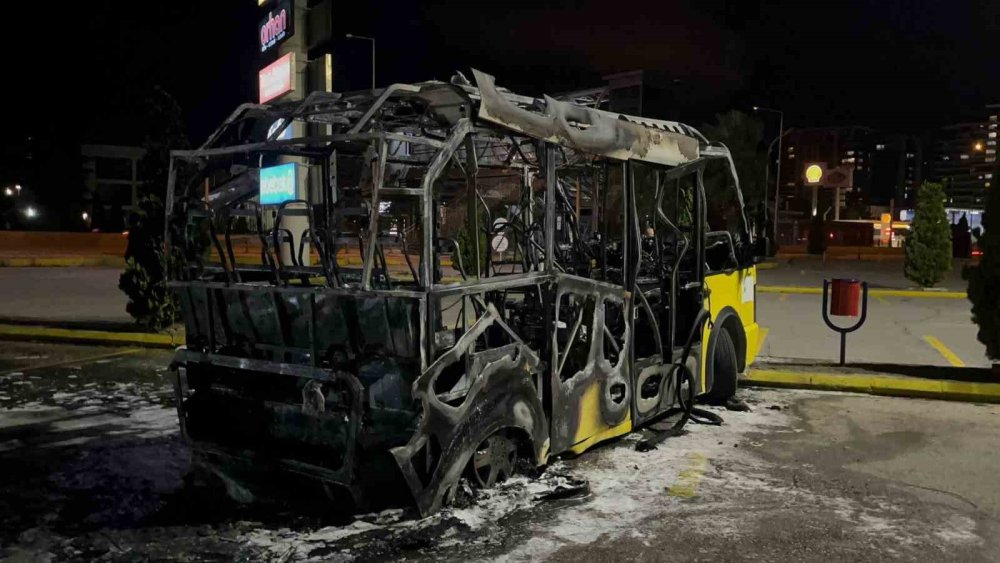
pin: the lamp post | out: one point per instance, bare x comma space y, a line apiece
372, 39
777, 180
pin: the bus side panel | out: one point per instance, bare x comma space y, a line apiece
738, 292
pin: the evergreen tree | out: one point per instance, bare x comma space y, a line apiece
928, 246
151, 303
984, 279
817, 235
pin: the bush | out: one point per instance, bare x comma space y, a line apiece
150, 303
984, 279
928, 245
817, 235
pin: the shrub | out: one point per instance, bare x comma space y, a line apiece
928, 245
150, 302
984, 279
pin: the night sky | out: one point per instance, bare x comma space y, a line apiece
891, 64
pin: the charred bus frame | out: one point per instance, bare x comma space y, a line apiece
351, 376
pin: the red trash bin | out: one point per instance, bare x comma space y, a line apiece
845, 298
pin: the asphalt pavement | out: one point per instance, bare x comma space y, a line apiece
87, 296
898, 330
94, 468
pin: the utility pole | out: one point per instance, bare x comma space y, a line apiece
372, 39
777, 181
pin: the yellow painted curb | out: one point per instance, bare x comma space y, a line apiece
153, 340
64, 262
873, 292
877, 385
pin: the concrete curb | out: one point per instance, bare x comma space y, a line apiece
947, 389
873, 292
64, 262
67, 335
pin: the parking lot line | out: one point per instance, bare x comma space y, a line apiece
686, 484
75, 361
944, 351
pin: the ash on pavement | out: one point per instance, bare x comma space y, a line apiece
94, 468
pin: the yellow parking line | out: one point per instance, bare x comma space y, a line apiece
686, 484
818, 290
74, 361
761, 337
948, 354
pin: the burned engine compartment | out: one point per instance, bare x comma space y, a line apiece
463, 277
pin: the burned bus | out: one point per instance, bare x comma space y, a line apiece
447, 280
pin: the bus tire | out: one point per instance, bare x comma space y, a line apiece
724, 370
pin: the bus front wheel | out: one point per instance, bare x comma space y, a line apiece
724, 370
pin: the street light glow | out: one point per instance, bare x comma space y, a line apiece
30, 212
8, 191
979, 145
84, 215
17, 187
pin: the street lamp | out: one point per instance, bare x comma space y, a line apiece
978, 146
777, 180
8, 192
30, 212
372, 39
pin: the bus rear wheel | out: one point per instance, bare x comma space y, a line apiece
724, 370
494, 460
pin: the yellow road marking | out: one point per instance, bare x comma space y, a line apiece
84, 360
873, 292
686, 484
947, 353
877, 385
762, 336
105, 337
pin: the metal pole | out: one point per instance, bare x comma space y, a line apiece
777, 180
372, 39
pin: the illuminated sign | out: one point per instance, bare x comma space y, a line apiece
285, 134
278, 184
277, 79
277, 26
814, 173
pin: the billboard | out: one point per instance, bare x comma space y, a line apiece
278, 184
277, 79
277, 26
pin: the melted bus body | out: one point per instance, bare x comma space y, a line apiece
441, 279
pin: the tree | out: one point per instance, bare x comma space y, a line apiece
151, 303
744, 136
928, 245
817, 235
984, 279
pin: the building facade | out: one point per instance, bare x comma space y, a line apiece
962, 159
111, 185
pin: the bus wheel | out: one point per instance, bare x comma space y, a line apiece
494, 460
724, 372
